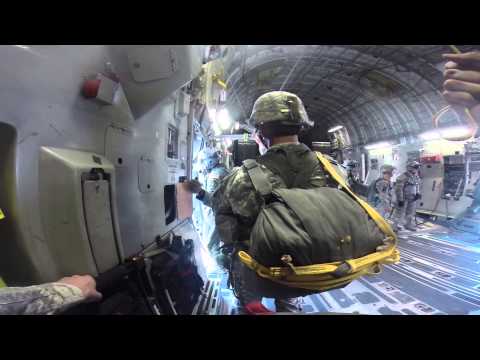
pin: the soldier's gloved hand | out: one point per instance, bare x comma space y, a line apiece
401, 203
462, 81
418, 196
86, 284
194, 186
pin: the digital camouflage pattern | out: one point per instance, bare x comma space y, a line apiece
213, 180
45, 299
215, 177
413, 164
384, 196
236, 203
382, 199
407, 186
245, 296
388, 169
279, 107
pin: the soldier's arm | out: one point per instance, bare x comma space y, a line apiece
50, 298
45, 299
207, 195
234, 199
225, 220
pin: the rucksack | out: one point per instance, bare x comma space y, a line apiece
315, 239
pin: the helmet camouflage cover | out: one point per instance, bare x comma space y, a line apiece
279, 107
388, 169
413, 165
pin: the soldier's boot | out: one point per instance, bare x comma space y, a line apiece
288, 305
397, 227
410, 226
256, 308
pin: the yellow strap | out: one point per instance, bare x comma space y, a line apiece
2, 215
318, 269
318, 276
222, 84
307, 280
2, 283
379, 220
218, 79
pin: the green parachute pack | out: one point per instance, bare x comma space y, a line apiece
309, 240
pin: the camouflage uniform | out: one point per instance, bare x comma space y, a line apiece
407, 189
214, 178
236, 205
45, 299
383, 196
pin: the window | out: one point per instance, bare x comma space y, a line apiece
170, 204
172, 142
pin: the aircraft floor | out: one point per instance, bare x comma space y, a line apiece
439, 273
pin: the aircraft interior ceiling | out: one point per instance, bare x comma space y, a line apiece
376, 92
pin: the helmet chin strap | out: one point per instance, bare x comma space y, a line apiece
263, 142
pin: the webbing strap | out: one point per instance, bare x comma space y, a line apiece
258, 177
319, 276
379, 220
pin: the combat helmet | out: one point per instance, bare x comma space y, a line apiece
413, 164
279, 108
387, 169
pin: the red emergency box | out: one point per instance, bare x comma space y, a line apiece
429, 159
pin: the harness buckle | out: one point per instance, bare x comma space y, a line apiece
342, 270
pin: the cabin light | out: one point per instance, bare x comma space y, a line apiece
224, 119
453, 132
212, 113
429, 135
336, 128
449, 132
216, 129
378, 145
228, 142
25, 47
